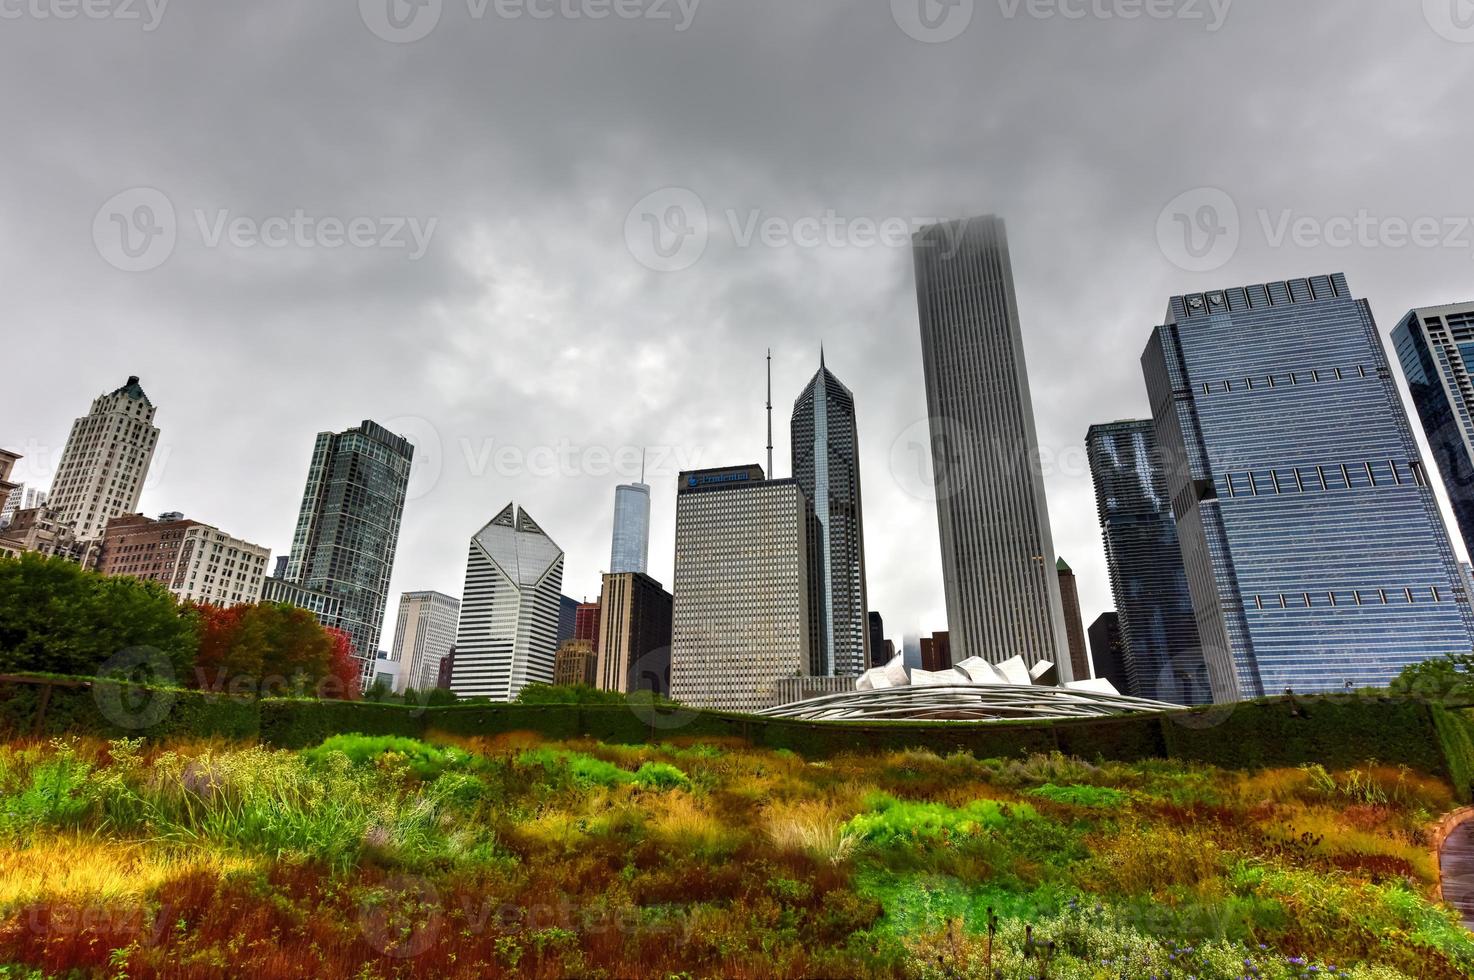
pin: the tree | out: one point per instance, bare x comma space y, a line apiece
1452, 675
273, 648
57, 618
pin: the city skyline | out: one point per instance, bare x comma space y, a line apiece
529, 307
1093, 606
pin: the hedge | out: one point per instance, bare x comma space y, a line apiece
1338, 731
108, 709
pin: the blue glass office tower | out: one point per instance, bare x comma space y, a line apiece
1162, 656
826, 464
348, 528
1315, 553
1436, 347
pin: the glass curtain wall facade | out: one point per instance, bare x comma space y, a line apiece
1163, 657
348, 528
826, 463
1436, 348
1316, 556
631, 550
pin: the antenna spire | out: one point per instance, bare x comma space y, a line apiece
642, 465
770, 413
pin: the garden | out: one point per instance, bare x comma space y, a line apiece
521, 855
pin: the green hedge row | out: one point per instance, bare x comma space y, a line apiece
1335, 731
108, 709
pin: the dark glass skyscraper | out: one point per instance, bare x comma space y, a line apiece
997, 550
348, 528
1436, 347
1162, 657
826, 464
1314, 549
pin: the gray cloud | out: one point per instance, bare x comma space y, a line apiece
528, 323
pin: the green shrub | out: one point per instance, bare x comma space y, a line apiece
887, 820
661, 775
424, 760
1087, 796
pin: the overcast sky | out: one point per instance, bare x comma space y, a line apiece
532, 238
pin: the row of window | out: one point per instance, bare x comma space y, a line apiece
1358, 597
1367, 474
1293, 378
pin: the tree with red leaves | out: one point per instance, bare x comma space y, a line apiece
272, 648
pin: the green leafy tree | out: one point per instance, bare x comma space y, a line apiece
57, 618
1451, 676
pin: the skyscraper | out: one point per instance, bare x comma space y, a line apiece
508, 633
826, 464
1002, 592
1162, 655
1315, 554
1069, 594
423, 635
747, 589
105, 461
631, 549
1108, 652
1436, 348
348, 528
634, 635
876, 625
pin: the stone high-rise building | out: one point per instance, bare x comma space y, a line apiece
826, 464
348, 528
196, 562
1002, 592
1069, 594
746, 608
508, 634
634, 635
105, 461
423, 635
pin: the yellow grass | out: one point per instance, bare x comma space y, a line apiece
72, 868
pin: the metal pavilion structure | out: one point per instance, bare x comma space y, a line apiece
974, 690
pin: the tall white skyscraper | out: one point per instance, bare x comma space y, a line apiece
508, 633
998, 557
423, 636
631, 529
105, 461
748, 588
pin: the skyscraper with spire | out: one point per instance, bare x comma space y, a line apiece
1002, 591
631, 549
826, 464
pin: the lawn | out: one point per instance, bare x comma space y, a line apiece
385, 857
